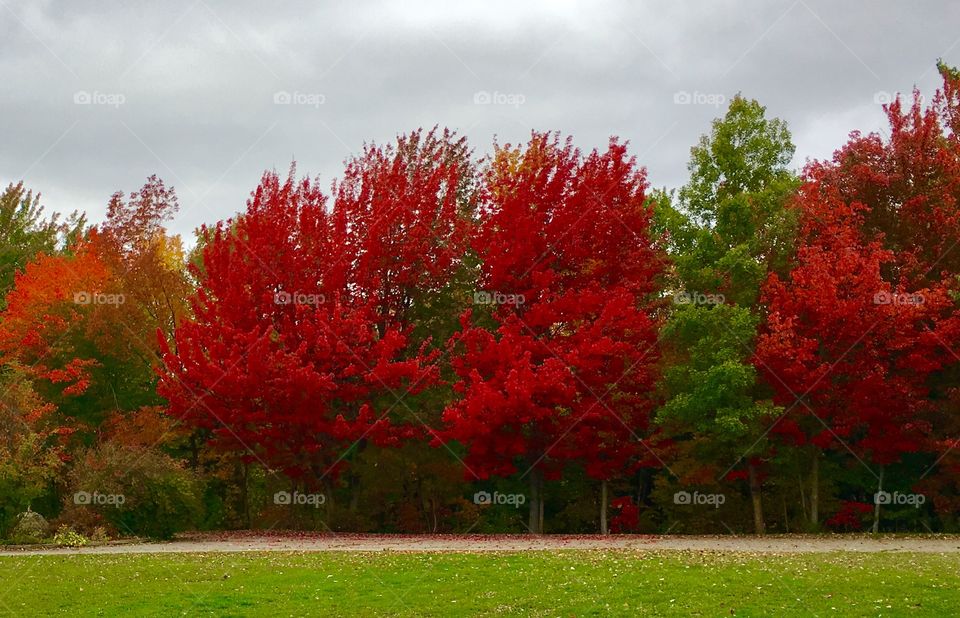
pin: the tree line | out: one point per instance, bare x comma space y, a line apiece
532, 340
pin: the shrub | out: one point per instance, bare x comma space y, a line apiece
66, 537
99, 535
137, 490
83, 519
31, 527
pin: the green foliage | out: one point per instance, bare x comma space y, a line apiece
732, 226
66, 537
731, 229
714, 387
947, 71
25, 474
745, 153
27, 466
159, 497
25, 232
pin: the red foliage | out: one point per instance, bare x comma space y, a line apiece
46, 310
627, 518
911, 183
564, 373
866, 316
397, 227
299, 346
850, 516
856, 349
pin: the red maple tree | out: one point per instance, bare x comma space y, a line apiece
848, 353
555, 362
300, 346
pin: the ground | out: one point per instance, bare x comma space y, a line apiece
296, 575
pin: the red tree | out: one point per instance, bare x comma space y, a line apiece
901, 196
847, 353
911, 183
564, 370
400, 224
301, 342
46, 326
276, 362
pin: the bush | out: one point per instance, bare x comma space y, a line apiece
100, 535
66, 537
83, 519
31, 527
138, 491
29, 459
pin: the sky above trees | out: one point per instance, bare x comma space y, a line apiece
209, 94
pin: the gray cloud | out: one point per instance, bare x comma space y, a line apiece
186, 89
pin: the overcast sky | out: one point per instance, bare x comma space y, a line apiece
96, 96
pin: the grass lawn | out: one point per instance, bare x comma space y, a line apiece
559, 583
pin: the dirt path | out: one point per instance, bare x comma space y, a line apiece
483, 543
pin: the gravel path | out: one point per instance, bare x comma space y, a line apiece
482, 543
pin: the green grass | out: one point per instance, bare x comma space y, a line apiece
562, 583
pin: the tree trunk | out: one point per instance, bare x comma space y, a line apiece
802, 488
194, 451
757, 499
542, 501
876, 501
328, 494
815, 489
245, 494
603, 508
786, 515
353, 479
535, 523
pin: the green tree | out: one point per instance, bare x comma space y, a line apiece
730, 229
25, 232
